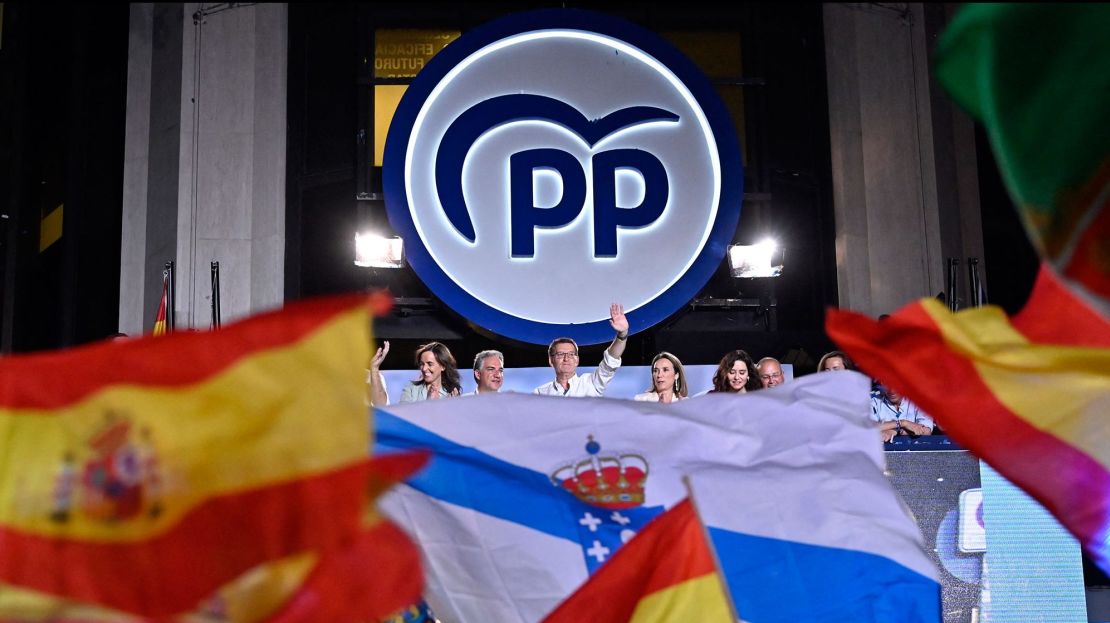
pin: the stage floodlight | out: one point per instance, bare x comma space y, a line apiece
755, 260
376, 251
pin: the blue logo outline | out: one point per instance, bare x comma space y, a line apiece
502, 109
508, 325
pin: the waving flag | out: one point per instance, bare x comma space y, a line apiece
794, 545
1029, 396
1038, 78
526, 495
142, 476
365, 579
665, 575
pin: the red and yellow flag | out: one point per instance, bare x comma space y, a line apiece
142, 476
665, 574
160, 317
1030, 396
361, 581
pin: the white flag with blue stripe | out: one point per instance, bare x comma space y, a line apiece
526, 495
816, 534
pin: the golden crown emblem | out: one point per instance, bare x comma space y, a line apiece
613, 480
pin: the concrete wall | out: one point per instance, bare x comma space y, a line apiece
204, 175
903, 158
150, 161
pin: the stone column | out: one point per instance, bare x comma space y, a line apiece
204, 176
902, 157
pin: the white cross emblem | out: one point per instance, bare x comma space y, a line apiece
590, 522
619, 518
598, 551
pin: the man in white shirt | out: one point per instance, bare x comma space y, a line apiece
489, 371
896, 415
563, 356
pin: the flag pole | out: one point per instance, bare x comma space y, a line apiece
978, 296
723, 582
171, 307
952, 284
215, 295
159, 327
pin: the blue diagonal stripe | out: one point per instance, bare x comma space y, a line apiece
777, 581
473, 479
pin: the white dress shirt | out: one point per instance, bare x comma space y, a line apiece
592, 384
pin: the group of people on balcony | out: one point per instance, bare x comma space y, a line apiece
736, 373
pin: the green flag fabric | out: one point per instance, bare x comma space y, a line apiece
1037, 76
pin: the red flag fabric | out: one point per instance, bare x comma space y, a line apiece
666, 573
1029, 396
363, 580
161, 470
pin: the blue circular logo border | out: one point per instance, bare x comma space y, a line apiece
497, 321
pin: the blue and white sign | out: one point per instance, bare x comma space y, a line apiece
548, 164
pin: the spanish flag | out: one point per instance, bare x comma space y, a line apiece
160, 317
665, 574
1030, 395
361, 581
1037, 76
145, 476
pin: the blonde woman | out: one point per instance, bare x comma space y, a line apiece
668, 380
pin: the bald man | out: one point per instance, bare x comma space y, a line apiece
770, 372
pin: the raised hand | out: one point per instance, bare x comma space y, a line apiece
617, 319
379, 356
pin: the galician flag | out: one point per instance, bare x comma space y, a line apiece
526, 496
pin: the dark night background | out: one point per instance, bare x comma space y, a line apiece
63, 80
61, 141
787, 186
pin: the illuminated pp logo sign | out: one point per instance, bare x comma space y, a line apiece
548, 164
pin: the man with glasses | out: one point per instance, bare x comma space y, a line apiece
563, 355
770, 372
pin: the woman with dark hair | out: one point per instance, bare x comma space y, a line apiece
736, 374
835, 360
439, 378
668, 380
